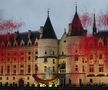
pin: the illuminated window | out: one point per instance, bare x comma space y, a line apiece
91, 68
101, 68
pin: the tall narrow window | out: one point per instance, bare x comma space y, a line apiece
76, 67
29, 68
1, 69
83, 68
100, 56
8, 69
76, 58
91, 68
45, 68
53, 61
53, 69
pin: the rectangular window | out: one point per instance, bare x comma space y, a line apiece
0, 78
45, 60
1, 69
83, 69
21, 66
29, 68
101, 68
53, 69
29, 53
8, 69
76, 58
53, 61
21, 71
29, 58
36, 52
14, 71
100, 56
14, 66
91, 68
76, 68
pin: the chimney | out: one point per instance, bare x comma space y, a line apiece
29, 34
41, 31
70, 29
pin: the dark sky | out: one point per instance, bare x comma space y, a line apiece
34, 12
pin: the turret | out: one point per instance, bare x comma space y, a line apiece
94, 26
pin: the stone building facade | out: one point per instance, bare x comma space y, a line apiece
38, 57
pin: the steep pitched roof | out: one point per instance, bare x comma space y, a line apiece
76, 23
48, 31
94, 26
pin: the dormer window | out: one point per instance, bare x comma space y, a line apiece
22, 43
100, 43
8, 44
29, 43
2, 44
36, 42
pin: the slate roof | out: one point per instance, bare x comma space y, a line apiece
48, 31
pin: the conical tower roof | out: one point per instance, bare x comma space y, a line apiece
48, 31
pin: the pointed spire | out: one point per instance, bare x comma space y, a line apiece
76, 28
48, 31
48, 12
94, 25
76, 22
76, 7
